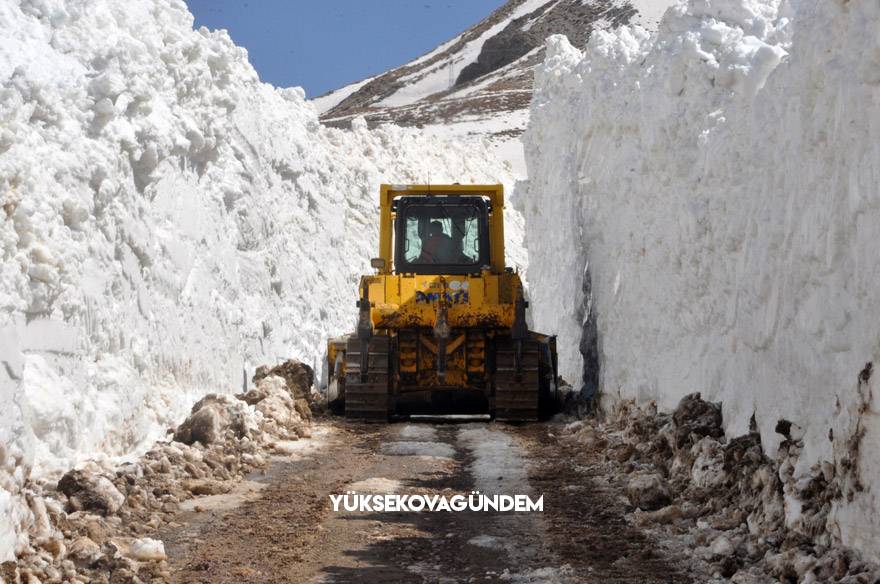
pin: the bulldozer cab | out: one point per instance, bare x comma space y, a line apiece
441, 229
441, 235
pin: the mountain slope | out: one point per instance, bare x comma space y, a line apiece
480, 82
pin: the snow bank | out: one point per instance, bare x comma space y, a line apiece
167, 224
719, 180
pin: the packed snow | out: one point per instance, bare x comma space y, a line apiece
717, 182
169, 223
498, 466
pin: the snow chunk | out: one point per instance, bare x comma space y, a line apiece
146, 550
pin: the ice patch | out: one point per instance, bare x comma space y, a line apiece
434, 449
499, 462
411, 432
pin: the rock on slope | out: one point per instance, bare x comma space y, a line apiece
167, 223
718, 178
480, 82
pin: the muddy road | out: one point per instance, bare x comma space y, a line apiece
279, 526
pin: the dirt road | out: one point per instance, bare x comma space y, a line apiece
280, 526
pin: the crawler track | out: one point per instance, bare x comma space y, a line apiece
367, 397
517, 393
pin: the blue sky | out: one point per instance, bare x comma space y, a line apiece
323, 45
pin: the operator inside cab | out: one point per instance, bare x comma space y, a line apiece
438, 248
441, 235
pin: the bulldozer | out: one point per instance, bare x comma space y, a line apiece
441, 325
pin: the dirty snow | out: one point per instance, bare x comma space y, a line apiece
169, 224
726, 506
302, 448
719, 180
243, 492
91, 521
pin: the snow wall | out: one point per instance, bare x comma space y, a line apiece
167, 223
719, 180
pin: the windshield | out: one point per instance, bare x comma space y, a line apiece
442, 234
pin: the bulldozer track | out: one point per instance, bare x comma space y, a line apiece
517, 393
367, 397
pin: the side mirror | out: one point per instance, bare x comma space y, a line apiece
378, 263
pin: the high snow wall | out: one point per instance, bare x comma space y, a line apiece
719, 180
167, 223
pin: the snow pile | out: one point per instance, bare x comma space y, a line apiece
168, 223
716, 182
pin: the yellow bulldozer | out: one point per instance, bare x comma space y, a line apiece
442, 323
